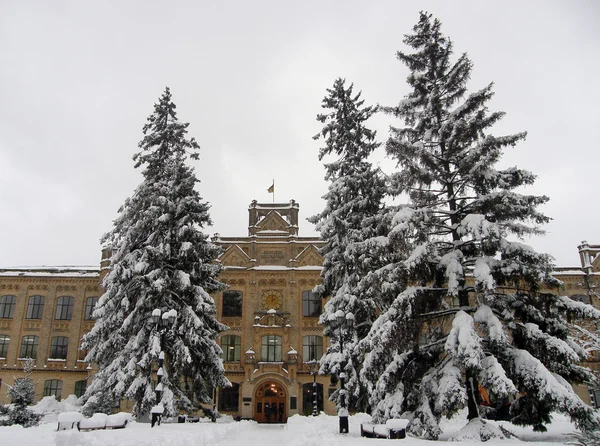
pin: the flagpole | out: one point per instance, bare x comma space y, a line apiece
273, 190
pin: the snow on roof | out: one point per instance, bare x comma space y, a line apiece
54, 271
290, 205
286, 268
565, 271
275, 268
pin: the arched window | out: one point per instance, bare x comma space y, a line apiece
232, 303
53, 387
64, 308
90, 304
80, 387
59, 347
29, 345
311, 304
312, 348
271, 348
35, 307
7, 306
308, 398
231, 346
229, 398
4, 341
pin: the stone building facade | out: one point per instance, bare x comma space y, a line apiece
273, 317
44, 313
273, 339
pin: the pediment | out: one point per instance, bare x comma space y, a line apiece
271, 319
235, 256
273, 222
309, 256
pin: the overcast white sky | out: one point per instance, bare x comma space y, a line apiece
78, 80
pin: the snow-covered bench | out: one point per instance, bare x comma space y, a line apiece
68, 420
96, 421
118, 420
103, 421
394, 428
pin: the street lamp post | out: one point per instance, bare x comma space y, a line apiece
342, 320
163, 321
313, 366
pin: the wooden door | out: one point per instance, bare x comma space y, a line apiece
270, 404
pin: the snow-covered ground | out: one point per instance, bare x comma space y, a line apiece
304, 431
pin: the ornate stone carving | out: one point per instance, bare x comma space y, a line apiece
38, 287
9, 286
311, 322
232, 366
234, 323
87, 325
61, 327
32, 326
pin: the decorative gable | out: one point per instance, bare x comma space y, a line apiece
235, 256
273, 224
309, 257
272, 319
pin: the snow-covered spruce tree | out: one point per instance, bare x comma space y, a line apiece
22, 394
161, 259
461, 221
353, 202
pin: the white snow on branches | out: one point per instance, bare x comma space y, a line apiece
463, 342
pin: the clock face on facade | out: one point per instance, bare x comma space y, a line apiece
272, 299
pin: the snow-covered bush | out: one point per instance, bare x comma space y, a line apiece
22, 393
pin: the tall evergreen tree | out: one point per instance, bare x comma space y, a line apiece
353, 202
458, 233
161, 259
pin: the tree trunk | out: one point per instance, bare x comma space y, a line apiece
472, 395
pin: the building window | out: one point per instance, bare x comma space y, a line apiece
4, 341
231, 346
271, 348
232, 304
311, 304
80, 387
58, 347
7, 306
90, 304
581, 298
81, 354
229, 398
53, 387
64, 308
312, 348
29, 347
308, 398
35, 307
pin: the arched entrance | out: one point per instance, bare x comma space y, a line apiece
270, 403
